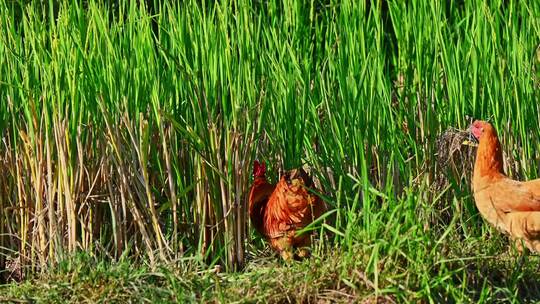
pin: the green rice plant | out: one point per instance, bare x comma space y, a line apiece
130, 129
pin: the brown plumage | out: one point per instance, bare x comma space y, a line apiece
511, 206
278, 212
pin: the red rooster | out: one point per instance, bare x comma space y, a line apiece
278, 211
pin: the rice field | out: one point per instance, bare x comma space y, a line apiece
129, 131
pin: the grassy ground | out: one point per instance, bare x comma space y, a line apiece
470, 274
129, 130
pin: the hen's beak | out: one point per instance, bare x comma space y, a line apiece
471, 141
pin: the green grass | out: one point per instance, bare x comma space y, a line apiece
128, 133
474, 275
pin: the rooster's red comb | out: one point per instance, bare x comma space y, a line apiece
259, 169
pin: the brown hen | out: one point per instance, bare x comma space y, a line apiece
511, 206
278, 212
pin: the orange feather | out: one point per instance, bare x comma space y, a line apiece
511, 206
278, 212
